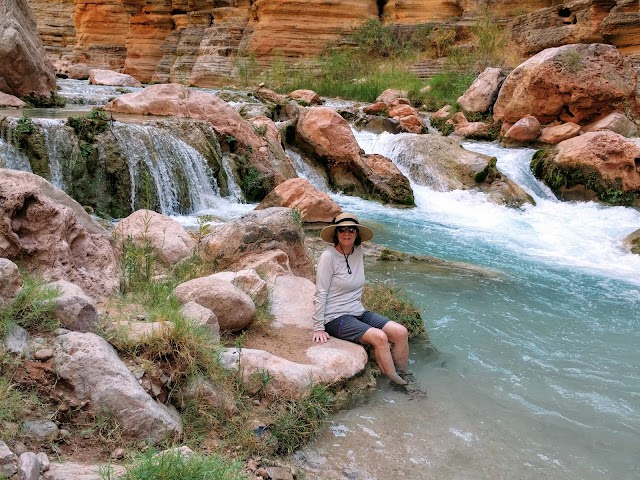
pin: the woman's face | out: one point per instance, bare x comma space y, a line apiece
346, 237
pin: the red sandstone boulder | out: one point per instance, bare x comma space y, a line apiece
11, 101
390, 95
299, 194
308, 97
572, 83
482, 93
24, 68
375, 108
328, 135
557, 133
257, 233
53, 235
527, 129
614, 158
108, 77
615, 122
168, 239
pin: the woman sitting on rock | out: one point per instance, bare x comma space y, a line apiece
338, 309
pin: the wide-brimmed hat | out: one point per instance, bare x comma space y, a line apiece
346, 220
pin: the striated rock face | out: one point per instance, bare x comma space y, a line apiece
24, 70
195, 41
582, 21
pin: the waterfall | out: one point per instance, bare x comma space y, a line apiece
12, 157
164, 155
61, 143
235, 193
306, 171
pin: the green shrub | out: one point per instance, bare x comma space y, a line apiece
32, 308
172, 465
393, 303
15, 406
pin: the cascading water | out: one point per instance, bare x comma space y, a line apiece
11, 157
164, 155
61, 143
307, 172
536, 375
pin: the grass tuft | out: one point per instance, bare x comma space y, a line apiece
393, 303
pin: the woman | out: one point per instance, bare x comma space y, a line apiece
338, 309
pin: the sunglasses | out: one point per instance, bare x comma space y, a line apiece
347, 229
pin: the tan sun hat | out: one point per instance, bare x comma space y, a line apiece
346, 220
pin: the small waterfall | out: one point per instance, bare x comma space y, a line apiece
166, 158
304, 170
11, 157
235, 193
61, 145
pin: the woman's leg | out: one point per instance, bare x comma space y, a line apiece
380, 342
399, 337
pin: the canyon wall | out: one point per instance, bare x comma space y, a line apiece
196, 41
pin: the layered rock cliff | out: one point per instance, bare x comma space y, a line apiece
196, 41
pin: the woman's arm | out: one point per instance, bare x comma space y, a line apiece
324, 274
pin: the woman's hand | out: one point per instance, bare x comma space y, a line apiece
320, 336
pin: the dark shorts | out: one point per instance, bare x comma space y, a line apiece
351, 328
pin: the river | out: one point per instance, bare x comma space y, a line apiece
537, 371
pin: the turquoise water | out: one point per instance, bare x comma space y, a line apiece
537, 372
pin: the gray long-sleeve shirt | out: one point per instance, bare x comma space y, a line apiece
338, 292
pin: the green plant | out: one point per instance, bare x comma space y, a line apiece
491, 38
260, 130
137, 260
247, 68
489, 173
32, 308
296, 214
174, 465
444, 89
393, 303
571, 60
295, 422
15, 405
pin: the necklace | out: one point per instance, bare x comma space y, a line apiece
346, 257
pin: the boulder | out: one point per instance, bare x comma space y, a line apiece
249, 282
233, 308
93, 373
613, 157
482, 93
328, 138
73, 308
256, 233
411, 123
390, 95
24, 69
571, 83
81, 471
632, 242
527, 129
11, 101
8, 461
299, 194
29, 466
291, 300
10, 281
53, 235
557, 133
109, 77
309, 97
202, 316
384, 180
442, 164
168, 239
615, 122
375, 108
78, 71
